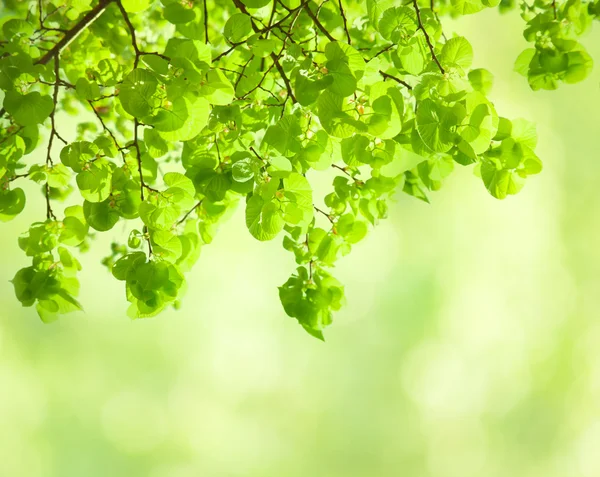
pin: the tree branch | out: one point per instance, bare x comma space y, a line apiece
427, 39
131, 28
318, 23
49, 163
397, 80
183, 219
329, 217
207, 41
70, 35
345, 22
88, 18
286, 80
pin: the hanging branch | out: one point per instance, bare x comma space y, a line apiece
70, 35
53, 132
273, 56
87, 19
188, 213
427, 39
131, 28
329, 217
319, 25
205, 22
104, 126
345, 22
393, 78
284, 77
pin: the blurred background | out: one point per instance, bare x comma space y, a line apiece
470, 344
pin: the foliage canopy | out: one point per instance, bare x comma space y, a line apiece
187, 107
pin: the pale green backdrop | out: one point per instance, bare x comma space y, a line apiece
470, 345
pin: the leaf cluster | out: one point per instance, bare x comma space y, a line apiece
187, 109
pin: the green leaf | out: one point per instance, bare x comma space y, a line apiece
94, 181
481, 80
161, 211
457, 51
12, 203
398, 23
279, 166
58, 176
256, 3
243, 170
100, 216
343, 82
75, 227
183, 120
87, 90
237, 27
28, 109
77, 154
523, 61
217, 88
500, 182
176, 13
467, 7
135, 6
434, 124
263, 218
137, 93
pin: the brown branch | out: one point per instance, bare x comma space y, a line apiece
387, 48
427, 39
70, 35
324, 213
148, 239
284, 77
273, 56
104, 126
207, 41
262, 31
131, 28
397, 80
136, 145
257, 154
49, 163
318, 23
343, 169
183, 219
345, 22
89, 18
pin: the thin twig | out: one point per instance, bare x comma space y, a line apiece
319, 25
207, 41
131, 28
345, 22
427, 39
397, 80
49, 163
284, 77
104, 126
183, 219
70, 35
324, 213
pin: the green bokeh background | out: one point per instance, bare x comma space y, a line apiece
470, 344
